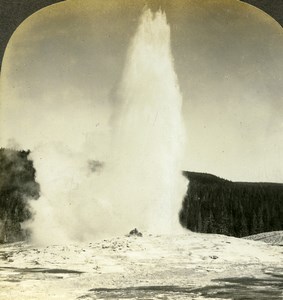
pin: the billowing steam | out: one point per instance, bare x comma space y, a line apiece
138, 182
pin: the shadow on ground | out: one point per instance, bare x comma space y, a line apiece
236, 288
40, 270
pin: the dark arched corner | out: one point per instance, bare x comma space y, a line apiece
274, 8
14, 12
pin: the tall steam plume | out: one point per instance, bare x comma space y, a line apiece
139, 183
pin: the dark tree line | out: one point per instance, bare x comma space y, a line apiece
17, 187
215, 205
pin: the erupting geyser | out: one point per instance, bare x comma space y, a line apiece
149, 132
140, 184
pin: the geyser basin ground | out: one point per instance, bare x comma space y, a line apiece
187, 266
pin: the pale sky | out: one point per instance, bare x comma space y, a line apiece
63, 64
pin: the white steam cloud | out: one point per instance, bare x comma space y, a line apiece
135, 180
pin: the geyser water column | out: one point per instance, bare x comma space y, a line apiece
140, 184
148, 131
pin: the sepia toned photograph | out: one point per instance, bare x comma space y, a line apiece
141, 149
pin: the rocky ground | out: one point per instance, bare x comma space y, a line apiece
272, 238
186, 266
